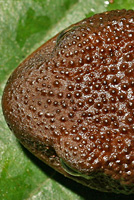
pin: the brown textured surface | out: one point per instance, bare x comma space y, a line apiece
74, 99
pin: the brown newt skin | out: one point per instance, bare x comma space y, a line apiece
71, 102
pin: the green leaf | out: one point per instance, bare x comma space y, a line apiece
24, 26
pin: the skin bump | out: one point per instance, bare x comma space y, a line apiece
71, 102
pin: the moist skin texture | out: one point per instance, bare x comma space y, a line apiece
71, 102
